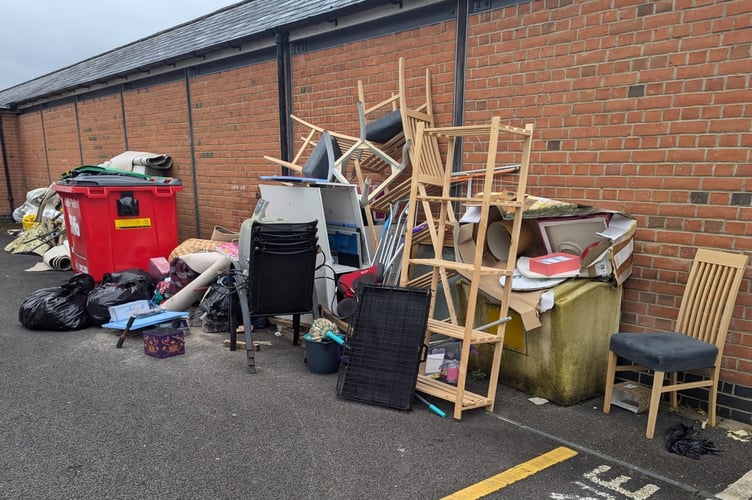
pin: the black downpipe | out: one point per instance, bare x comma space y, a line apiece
78, 132
44, 140
122, 117
194, 174
8, 186
284, 97
460, 56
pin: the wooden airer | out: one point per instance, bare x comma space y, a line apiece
429, 173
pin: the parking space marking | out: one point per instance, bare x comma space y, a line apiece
741, 489
516, 473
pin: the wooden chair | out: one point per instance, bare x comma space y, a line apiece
697, 342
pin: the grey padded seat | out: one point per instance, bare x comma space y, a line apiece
666, 352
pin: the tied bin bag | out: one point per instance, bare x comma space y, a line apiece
116, 289
59, 308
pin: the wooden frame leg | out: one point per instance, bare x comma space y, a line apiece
673, 379
610, 376
713, 396
655, 403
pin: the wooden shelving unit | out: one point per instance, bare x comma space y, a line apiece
438, 211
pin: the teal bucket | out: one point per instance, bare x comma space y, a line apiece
322, 357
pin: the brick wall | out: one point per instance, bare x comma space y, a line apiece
100, 127
31, 147
61, 139
644, 109
235, 123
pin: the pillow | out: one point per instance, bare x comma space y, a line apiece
384, 128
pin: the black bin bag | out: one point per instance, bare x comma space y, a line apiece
58, 308
116, 289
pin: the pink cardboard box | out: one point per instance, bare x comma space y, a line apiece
159, 268
555, 263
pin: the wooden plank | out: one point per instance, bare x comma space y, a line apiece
240, 344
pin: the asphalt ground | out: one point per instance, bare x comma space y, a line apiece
82, 419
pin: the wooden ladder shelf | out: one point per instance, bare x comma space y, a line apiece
438, 212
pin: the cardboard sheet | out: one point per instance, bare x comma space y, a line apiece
524, 303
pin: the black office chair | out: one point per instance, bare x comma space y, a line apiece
280, 278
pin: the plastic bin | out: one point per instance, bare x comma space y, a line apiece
118, 222
564, 360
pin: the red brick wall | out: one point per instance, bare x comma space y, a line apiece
61, 137
676, 156
235, 123
100, 125
31, 147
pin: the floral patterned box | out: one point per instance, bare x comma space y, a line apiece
164, 342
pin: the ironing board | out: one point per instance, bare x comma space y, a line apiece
154, 319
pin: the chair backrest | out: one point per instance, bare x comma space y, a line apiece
708, 302
412, 117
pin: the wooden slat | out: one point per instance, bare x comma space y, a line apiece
458, 332
460, 266
448, 392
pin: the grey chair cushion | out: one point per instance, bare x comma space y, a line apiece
666, 352
318, 164
384, 128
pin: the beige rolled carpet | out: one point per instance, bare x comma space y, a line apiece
139, 161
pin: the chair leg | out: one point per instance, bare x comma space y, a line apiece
655, 403
713, 396
610, 376
673, 378
296, 329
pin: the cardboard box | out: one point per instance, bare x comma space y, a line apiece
631, 396
555, 263
164, 342
612, 256
159, 268
125, 311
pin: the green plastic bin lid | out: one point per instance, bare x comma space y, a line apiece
96, 175
117, 180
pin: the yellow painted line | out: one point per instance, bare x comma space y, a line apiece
516, 473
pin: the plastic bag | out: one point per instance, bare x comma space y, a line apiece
686, 440
59, 308
118, 288
216, 305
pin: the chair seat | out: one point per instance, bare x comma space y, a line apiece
665, 351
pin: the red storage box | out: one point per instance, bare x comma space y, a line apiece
117, 222
555, 263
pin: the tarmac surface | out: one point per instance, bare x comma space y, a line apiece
82, 419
